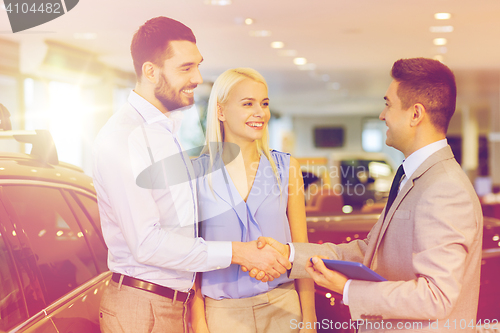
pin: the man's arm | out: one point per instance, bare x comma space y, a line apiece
135, 211
137, 216
353, 251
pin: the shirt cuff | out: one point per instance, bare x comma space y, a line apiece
345, 298
219, 254
292, 253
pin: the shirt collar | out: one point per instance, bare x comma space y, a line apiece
411, 164
171, 120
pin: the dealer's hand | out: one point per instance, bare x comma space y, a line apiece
266, 260
325, 277
283, 249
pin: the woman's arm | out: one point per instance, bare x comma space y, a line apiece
296, 212
197, 307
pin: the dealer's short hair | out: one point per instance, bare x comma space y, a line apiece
430, 83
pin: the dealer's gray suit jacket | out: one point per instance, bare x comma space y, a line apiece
428, 247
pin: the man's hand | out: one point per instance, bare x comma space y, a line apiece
325, 277
266, 260
283, 249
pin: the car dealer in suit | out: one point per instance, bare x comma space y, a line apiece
427, 242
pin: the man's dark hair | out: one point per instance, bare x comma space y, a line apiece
151, 41
430, 83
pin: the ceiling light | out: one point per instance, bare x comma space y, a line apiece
444, 28
287, 53
439, 57
260, 33
442, 16
277, 45
248, 21
300, 61
440, 41
218, 2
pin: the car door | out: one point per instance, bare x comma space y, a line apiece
79, 310
21, 293
71, 282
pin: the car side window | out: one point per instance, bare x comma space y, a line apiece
92, 210
60, 249
86, 209
12, 308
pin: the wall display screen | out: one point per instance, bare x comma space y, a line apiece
328, 137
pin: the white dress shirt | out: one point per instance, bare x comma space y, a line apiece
146, 193
411, 164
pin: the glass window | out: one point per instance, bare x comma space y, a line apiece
89, 221
9, 95
66, 119
61, 253
9, 99
91, 208
372, 138
12, 308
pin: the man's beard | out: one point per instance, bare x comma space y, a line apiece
170, 99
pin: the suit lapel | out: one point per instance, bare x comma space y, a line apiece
440, 155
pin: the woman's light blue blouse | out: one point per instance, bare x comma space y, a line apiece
225, 216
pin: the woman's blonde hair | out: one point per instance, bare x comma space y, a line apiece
215, 129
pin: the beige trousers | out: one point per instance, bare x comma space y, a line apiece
130, 310
272, 312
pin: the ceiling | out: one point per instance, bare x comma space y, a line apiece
351, 44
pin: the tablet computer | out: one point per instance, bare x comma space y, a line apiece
353, 270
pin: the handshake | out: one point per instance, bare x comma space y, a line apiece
266, 258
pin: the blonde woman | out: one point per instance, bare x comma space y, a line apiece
245, 191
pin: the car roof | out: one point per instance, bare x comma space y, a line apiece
19, 166
42, 164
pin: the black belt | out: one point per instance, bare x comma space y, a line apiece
152, 287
